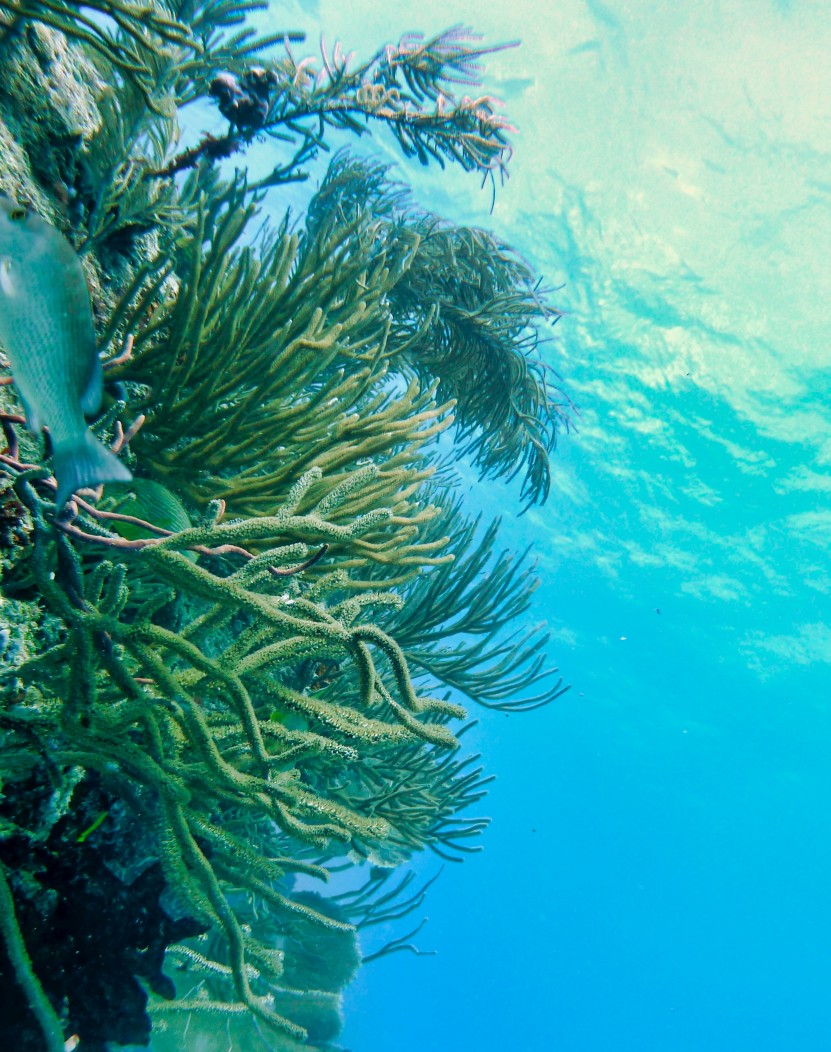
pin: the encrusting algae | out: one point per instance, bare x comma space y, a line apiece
249, 664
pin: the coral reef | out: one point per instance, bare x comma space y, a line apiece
249, 667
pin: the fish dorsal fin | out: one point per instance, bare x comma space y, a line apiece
91, 398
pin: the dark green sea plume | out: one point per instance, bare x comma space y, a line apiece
46, 330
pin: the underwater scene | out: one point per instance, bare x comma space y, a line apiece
415, 514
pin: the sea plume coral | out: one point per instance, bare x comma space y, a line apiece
233, 677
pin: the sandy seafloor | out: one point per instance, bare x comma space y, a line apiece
658, 872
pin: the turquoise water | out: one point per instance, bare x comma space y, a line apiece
656, 874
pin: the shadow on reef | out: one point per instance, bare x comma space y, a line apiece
94, 926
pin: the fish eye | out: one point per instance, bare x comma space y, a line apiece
17, 214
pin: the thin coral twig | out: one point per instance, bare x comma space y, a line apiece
210, 146
20, 466
125, 355
122, 437
67, 526
114, 516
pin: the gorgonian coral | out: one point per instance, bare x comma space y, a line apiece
252, 667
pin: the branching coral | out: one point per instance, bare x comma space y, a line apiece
408, 87
165, 50
395, 87
473, 601
249, 672
262, 363
198, 725
467, 311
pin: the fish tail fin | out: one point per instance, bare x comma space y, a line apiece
84, 461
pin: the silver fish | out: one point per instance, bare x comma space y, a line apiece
47, 332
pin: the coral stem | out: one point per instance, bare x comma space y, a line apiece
28, 981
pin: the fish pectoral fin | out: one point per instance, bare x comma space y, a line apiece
91, 398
